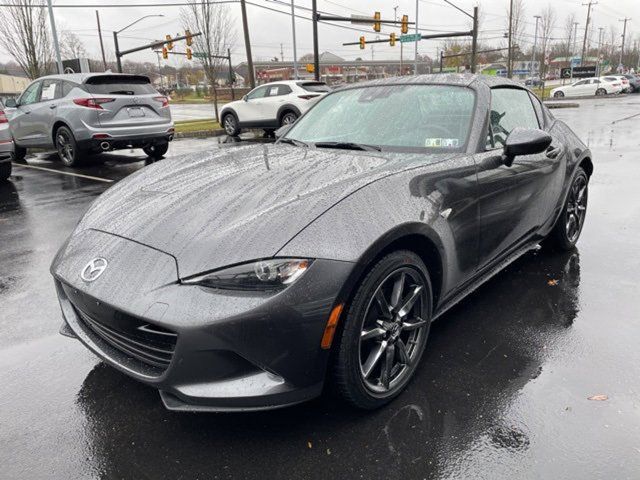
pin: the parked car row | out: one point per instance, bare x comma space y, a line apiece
607, 85
81, 114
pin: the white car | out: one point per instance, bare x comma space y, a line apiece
588, 87
271, 105
623, 81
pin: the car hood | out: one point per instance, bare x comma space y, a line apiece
235, 204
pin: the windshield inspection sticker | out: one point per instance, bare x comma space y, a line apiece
442, 142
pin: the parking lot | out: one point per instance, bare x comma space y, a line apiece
502, 391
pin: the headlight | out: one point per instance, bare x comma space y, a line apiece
273, 274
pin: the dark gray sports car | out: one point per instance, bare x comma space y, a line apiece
251, 277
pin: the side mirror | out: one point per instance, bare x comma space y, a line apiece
281, 132
524, 141
244, 97
11, 103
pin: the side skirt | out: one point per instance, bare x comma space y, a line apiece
484, 277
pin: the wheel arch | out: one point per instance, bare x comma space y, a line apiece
416, 237
56, 125
288, 107
587, 165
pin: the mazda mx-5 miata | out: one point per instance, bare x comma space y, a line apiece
252, 277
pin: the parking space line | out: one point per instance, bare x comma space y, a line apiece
88, 177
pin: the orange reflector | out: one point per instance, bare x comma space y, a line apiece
330, 329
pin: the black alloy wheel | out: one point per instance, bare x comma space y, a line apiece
385, 331
156, 151
567, 230
67, 147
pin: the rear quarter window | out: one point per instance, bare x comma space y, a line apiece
119, 85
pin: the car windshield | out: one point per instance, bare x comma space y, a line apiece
389, 117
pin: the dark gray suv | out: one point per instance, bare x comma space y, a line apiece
79, 114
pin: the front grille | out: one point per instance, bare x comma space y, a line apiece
150, 344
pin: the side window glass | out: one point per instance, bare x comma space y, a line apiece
64, 88
48, 90
257, 93
284, 90
510, 108
30, 95
273, 91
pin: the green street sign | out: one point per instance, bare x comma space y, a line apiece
199, 55
414, 37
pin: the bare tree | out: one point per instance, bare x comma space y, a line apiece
547, 24
568, 40
25, 36
517, 24
216, 25
71, 46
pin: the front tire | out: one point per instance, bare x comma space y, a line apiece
558, 94
566, 231
384, 332
156, 152
288, 118
67, 147
601, 91
230, 125
5, 171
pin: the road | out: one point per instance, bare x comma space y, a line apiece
501, 393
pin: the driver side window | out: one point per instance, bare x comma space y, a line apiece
257, 93
510, 108
30, 95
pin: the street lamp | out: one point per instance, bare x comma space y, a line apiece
115, 37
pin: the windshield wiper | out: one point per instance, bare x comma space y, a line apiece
293, 141
348, 146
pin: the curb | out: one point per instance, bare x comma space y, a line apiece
200, 134
562, 105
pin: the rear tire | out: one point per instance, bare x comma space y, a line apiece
370, 370
19, 153
601, 91
566, 231
5, 171
230, 125
156, 151
288, 118
67, 147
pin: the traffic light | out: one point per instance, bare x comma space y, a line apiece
362, 43
169, 42
311, 67
189, 54
376, 25
165, 53
189, 37
392, 39
405, 24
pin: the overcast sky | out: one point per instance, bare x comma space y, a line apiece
269, 29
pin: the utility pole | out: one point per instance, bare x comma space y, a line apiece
573, 47
159, 68
293, 30
535, 42
54, 33
474, 40
586, 30
247, 43
624, 37
509, 53
281, 53
316, 53
395, 18
415, 60
104, 59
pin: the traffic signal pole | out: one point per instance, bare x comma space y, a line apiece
316, 54
247, 43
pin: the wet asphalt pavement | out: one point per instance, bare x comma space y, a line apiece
502, 391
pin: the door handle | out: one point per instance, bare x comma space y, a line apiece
553, 152
52, 106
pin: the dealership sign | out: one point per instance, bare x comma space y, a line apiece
579, 72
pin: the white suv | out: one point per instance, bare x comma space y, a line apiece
271, 105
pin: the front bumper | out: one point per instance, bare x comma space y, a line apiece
233, 351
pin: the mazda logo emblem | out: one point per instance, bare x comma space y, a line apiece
93, 269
